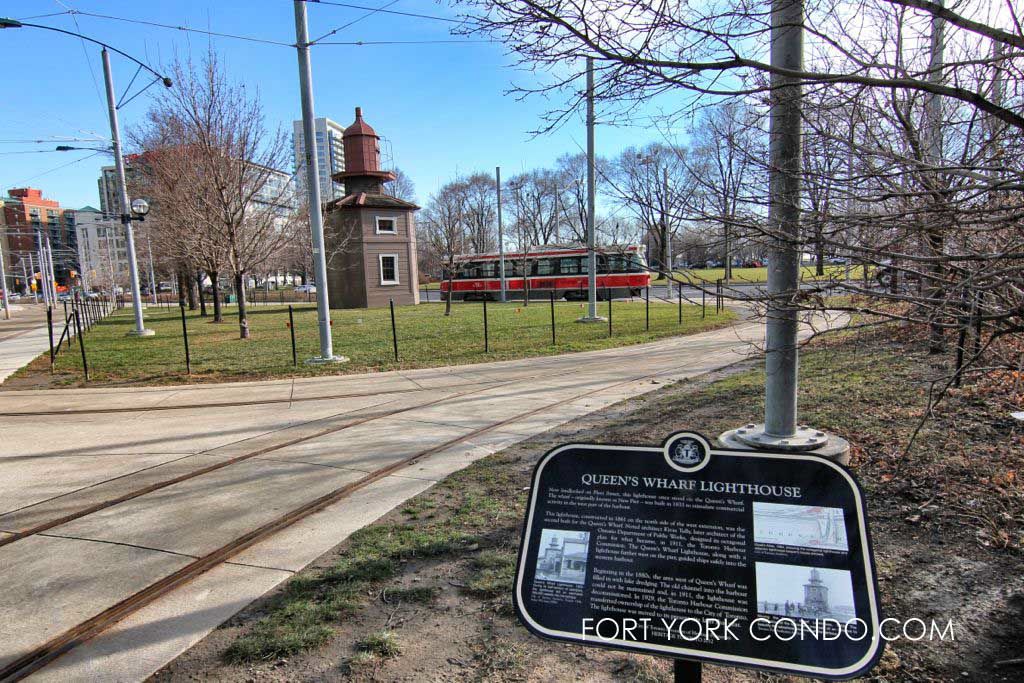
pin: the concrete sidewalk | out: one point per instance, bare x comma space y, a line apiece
22, 338
317, 435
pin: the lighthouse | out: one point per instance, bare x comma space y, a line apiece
815, 595
371, 237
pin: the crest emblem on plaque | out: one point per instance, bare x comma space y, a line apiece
687, 452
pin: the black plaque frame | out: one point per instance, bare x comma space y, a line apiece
873, 619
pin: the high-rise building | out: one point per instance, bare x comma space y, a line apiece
30, 218
110, 195
330, 156
102, 250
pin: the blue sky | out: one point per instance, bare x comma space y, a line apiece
443, 107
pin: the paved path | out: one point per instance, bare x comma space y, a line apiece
195, 468
22, 338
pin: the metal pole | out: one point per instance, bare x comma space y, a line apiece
668, 234
647, 308
51, 283
591, 197
501, 236
486, 339
686, 671
122, 187
316, 219
3, 282
40, 251
394, 330
291, 328
552, 318
784, 220
184, 336
49, 329
81, 343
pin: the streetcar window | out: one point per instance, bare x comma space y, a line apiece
569, 266
489, 269
545, 266
470, 270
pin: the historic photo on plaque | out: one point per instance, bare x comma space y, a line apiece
804, 592
564, 556
800, 525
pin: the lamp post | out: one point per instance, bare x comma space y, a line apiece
115, 138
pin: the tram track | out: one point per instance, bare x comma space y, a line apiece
228, 404
42, 655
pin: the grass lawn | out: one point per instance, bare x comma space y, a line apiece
740, 275
424, 593
425, 338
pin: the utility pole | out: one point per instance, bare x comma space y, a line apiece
122, 188
780, 431
501, 235
316, 219
51, 283
668, 232
592, 315
3, 282
41, 255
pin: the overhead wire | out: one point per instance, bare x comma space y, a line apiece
188, 29
386, 11
354, 21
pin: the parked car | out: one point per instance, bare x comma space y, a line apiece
753, 263
306, 289
838, 260
715, 263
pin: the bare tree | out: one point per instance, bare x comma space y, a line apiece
443, 228
242, 205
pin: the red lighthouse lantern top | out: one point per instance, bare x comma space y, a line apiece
362, 148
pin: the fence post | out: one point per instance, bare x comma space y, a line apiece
81, 342
553, 342
66, 321
608, 295
49, 327
394, 330
184, 336
647, 308
718, 296
291, 327
487, 341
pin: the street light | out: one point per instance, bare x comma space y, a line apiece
140, 207
115, 139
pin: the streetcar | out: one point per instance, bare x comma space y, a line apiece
621, 271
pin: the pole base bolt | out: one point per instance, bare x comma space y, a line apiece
805, 439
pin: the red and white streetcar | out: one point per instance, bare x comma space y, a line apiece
621, 271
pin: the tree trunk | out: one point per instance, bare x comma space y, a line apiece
819, 249
191, 290
182, 286
202, 299
218, 314
302, 276
243, 318
727, 261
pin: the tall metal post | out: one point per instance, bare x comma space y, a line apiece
122, 190
3, 282
316, 220
501, 235
41, 255
51, 282
32, 271
592, 315
780, 430
784, 219
668, 233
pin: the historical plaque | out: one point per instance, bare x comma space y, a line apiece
732, 557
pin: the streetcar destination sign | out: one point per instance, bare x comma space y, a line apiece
744, 558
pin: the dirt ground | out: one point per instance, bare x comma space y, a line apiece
427, 588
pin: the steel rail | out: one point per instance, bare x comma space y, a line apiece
84, 631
